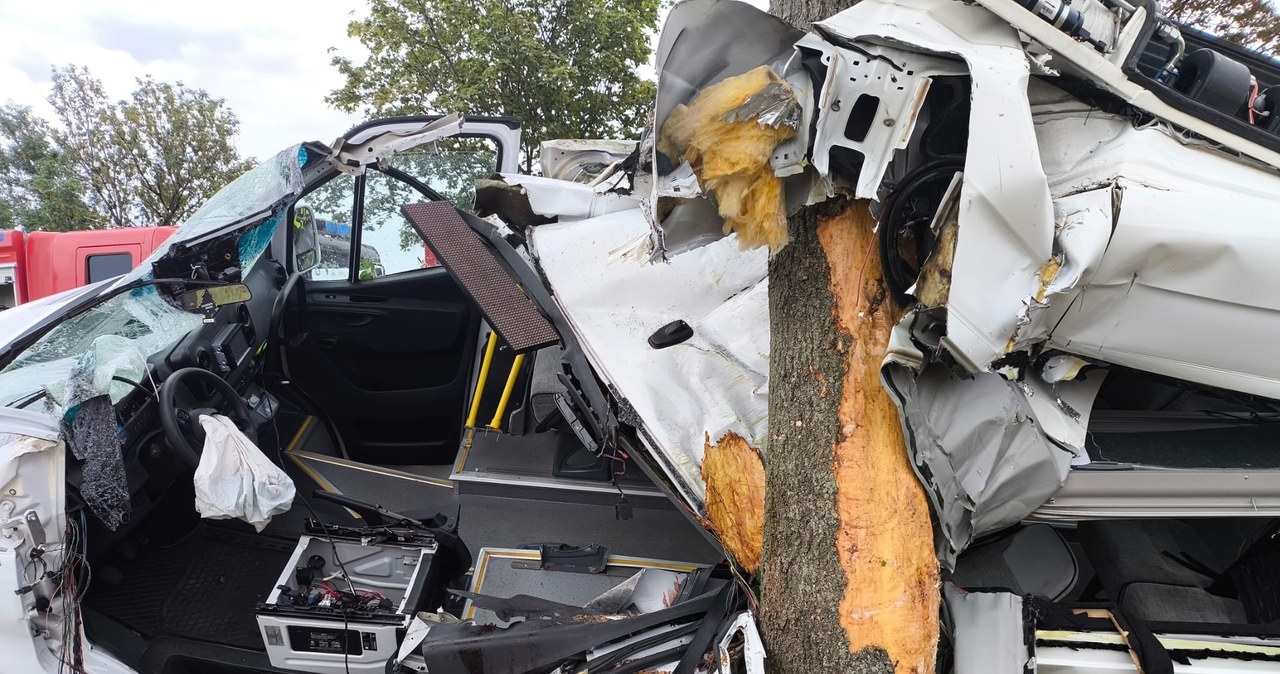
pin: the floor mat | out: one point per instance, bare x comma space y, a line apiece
203, 588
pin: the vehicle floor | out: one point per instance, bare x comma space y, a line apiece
1252, 446
205, 584
656, 529
203, 587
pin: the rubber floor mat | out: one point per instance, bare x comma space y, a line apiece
205, 587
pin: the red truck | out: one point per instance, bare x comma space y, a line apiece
38, 264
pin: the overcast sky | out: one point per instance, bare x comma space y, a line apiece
268, 58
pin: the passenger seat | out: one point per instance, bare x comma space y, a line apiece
1162, 570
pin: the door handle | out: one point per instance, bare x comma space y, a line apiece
328, 343
356, 321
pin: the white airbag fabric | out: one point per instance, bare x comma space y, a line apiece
235, 479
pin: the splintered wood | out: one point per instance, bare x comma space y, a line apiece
885, 538
735, 497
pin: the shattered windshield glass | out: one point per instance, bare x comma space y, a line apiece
110, 340
105, 349
269, 183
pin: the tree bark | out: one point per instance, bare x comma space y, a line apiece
850, 581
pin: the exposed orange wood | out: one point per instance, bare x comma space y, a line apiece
885, 538
735, 497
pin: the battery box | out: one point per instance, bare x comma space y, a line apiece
328, 617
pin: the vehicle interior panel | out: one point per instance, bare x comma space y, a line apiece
389, 361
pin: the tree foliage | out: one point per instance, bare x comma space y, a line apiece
39, 187
567, 68
1252, 23
150, 159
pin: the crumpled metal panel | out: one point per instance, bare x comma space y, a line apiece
1081, 233
567, 200
978, 448
580, 160
1005, 213
715, 382
990, 634
1192, 247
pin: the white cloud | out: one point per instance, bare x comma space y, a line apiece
269, 60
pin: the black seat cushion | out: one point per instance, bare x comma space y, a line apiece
1032, 559
1174, 603
1169, 570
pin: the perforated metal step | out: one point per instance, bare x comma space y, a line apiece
505, 306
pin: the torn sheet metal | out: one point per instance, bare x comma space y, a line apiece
989, 632
704, 42
978, 448
1006, 213
753, 654
581, 161
551, 197
715, 382
351, 156
868, 108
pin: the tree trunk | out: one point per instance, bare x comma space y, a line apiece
849, 576
850, 580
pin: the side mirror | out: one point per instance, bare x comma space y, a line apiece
306, 248
207, 300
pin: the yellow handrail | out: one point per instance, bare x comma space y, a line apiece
496, 424
490, 347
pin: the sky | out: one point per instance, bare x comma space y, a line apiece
269, 59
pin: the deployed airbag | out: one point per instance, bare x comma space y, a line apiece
235, 479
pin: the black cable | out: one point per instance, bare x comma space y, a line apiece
346, 635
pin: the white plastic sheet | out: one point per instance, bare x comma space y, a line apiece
235, 479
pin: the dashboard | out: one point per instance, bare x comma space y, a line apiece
230, 345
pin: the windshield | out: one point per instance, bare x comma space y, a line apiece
262, 187
105, 348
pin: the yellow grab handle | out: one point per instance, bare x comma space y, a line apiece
490, 347
506, 392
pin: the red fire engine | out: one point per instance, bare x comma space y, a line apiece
38, 264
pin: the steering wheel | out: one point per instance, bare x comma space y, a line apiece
181, 407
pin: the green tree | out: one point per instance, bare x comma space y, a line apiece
1252, 23
567, 68
151, 159
39, 188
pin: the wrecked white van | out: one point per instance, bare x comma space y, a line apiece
496, 462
